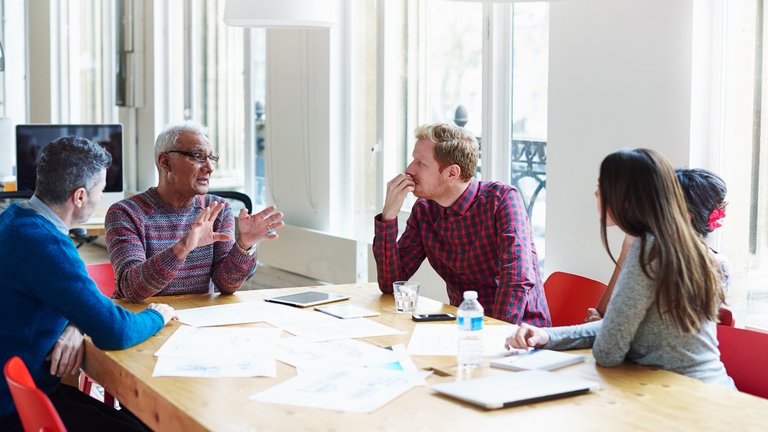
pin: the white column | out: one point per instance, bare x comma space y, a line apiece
619, 76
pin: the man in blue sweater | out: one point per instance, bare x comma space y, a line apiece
48, 297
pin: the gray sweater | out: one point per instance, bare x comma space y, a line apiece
633, 330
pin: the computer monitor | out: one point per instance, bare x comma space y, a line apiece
32, 138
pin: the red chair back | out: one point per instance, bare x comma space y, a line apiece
36, 411
569, 296
745, 355
725, 317
104, 276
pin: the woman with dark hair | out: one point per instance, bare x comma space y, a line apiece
665, 304
704, 193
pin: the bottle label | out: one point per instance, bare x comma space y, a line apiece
471, 324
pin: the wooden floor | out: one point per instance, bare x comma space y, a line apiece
265, 277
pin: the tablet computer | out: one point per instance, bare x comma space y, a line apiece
307, 298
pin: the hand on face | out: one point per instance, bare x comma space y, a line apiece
201, 232
257, 227
397, 190
67, 355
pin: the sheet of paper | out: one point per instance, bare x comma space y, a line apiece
440, 339
405, 364
262, 365
219, 342
218, 352
358, 390
236, 313
307, 355
318, 327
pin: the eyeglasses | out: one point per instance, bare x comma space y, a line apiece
198, 156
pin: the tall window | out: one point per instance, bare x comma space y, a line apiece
733, 38
259, 87
208, 64
530, 71
83, 68
448, 84
434, 60
13, 98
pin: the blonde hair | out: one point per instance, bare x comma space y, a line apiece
453, 145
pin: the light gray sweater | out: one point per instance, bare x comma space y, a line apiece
633, 330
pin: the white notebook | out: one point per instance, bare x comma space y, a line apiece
519, 388
537, 359
346, 311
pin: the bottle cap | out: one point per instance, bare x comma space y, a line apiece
470, 295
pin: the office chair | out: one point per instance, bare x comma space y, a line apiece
744, 354
725, 317
569, 296
80, 236
240, 197
104, 276
36, 411
245, 201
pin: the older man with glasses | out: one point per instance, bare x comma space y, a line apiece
177, 239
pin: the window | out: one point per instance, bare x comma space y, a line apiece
13, 98
82, 65
474, 65
258, 84
731, 41
530, 42
207, 81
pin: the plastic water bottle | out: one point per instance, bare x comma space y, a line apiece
470, 319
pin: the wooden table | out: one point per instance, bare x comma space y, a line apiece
631, 397
93, 230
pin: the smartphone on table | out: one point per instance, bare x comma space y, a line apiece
434, 317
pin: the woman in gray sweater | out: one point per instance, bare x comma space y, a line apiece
664, 307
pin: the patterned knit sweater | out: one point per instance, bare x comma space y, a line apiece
141, 231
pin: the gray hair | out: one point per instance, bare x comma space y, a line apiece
167, 138
67, 164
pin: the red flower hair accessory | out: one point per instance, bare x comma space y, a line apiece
714, 219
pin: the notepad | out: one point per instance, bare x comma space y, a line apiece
519, 388
346, 311
537, 359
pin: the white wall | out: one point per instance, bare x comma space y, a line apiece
619, 76
298, 119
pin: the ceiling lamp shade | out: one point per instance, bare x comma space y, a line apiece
280, 13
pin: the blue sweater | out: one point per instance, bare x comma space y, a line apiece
44, 286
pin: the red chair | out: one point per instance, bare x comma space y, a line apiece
36, 411
725, 317
745, 354
569, 296
104, 276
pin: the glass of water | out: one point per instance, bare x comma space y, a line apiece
406, 296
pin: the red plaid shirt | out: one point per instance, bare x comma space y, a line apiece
482, 242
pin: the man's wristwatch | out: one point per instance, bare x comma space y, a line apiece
251, 251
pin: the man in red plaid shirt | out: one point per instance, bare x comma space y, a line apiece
476, 235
